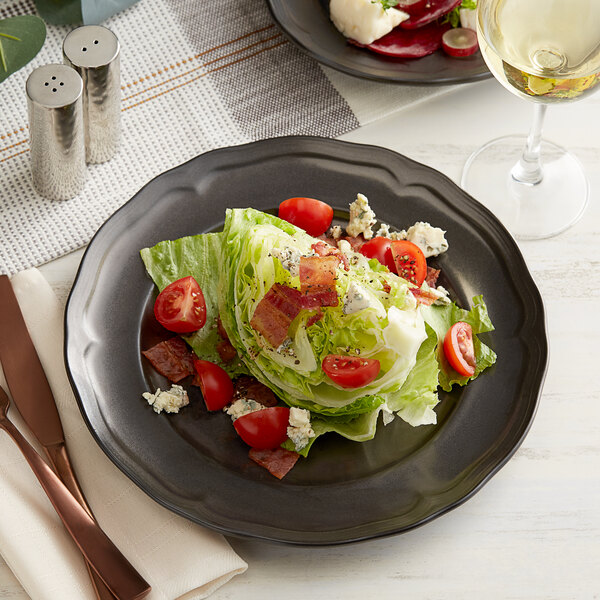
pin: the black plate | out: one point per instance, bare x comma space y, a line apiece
307, 24
193, 462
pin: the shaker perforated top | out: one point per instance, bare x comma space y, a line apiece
91, 46
54, 86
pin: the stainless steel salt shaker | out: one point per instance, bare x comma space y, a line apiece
55, 107
94, 52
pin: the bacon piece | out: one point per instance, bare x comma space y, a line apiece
225, 348
249, 387
324, 249
328, 240
275, 313
221, 329
387, 288
314, 318
434, 9
317, 281
356, 242
226, 351
432, 276
278, 462
423, 297
171, 358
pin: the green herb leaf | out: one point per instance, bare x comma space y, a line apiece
60, 12
453, 17
21, 38
10, 37
3, 58
386, 3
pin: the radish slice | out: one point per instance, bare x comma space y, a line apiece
411, 6
401, 43
434, 9
460, 42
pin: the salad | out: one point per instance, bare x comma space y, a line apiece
295, 328
408, 28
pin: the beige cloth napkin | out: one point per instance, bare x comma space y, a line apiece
180, 559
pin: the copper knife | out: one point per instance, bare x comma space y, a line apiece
33, 397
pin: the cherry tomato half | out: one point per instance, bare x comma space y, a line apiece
379, 248
264, 429
309, 214
180, 307
216, 385
459, 350
350, 371
410, 261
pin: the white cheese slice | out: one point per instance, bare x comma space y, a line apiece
364, 20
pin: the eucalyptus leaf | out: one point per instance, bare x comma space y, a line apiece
60, 12
30, 32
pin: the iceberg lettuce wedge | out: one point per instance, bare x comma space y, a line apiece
237, 267
390, 329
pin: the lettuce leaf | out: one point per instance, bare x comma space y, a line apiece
441, 318
453, 17
200, 257
418, 396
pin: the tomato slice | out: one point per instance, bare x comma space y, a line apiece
410, 261
380, 248
314, 216
350, 371
459, 349
180, 307
216, 385
264, 429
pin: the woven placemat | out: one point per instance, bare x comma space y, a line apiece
195, 76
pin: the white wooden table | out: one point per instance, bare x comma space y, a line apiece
534, 530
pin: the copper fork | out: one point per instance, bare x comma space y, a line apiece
104, 557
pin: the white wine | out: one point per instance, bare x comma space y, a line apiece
543, 50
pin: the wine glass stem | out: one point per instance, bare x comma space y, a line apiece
528, 169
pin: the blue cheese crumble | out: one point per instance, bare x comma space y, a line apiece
335, 231
299, 429
289, 259
170, 401
241, 407
383, 231
441, 294
431, 240
356, 299
362, 218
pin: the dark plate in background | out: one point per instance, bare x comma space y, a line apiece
193, 462
307, 24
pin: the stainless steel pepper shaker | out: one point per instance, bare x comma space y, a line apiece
54, 102
94, 52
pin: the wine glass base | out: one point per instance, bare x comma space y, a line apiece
529, 212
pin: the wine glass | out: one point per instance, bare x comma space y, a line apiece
546, 51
